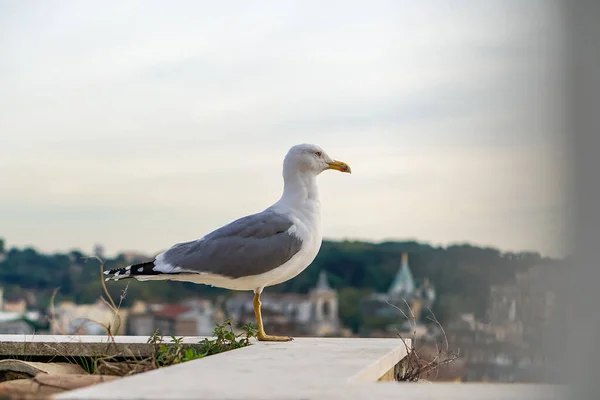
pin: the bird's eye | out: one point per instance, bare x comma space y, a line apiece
319, 154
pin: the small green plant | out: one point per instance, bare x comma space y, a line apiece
176, 351
87, 364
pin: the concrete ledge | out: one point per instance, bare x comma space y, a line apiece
260, 371
83, 346
307, 368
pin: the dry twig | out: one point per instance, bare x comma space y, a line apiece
414, 367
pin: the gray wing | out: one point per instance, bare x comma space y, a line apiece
251, 245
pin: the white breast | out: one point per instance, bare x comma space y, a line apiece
307, 225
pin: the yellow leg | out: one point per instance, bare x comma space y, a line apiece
262, 336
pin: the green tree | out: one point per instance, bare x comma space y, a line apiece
349, 300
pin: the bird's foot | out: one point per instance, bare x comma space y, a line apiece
270, 338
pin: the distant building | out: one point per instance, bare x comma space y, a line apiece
69, 318
16, 319
18, 304
12, 322
312, 314
483, 356
380, 310
504, 349
520, 311
324, 318
192, 317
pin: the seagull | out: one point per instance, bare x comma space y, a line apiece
258, 250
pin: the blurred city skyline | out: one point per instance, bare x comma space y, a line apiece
137, 125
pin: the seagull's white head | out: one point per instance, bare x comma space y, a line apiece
310, 158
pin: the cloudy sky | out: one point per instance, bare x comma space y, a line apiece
138, 124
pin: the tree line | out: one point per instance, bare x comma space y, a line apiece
461, 274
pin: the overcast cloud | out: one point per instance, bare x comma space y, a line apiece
139, 124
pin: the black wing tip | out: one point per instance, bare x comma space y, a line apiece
131, 271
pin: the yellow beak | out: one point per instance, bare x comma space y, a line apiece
340, 166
